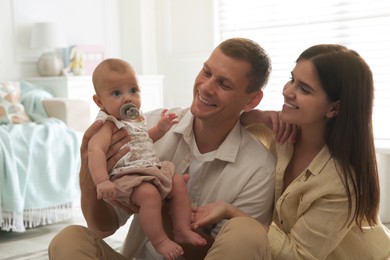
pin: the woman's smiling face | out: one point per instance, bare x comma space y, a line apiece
305, 101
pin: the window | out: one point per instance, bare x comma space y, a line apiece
285, 28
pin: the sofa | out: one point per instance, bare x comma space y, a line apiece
40, 137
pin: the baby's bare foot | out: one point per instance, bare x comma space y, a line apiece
189, 237
169, 249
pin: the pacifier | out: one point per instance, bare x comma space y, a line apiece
129, 111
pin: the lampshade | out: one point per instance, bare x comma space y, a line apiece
48, 36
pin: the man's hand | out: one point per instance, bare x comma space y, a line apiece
99, 215
118, 139
114, 153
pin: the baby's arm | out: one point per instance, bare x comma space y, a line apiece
97, 149
165, 123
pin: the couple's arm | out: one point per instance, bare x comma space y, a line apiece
99, 215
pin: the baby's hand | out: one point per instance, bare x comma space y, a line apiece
106, 190
166, 121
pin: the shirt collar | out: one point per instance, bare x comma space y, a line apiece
227, 151
320, 161
285, 152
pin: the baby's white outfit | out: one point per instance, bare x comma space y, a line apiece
139, 165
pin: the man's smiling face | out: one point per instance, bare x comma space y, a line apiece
220, 89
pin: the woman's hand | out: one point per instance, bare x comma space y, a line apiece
283, 132
210, 214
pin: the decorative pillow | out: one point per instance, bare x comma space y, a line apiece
11, 110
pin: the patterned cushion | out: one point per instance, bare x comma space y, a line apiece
11, 110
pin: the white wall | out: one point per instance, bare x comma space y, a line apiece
168, 37
87, 22
185, 38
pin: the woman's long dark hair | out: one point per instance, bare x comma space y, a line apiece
346, 77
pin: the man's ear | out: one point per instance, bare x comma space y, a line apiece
334, 110
254, 100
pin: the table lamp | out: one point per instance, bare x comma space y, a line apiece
48, 36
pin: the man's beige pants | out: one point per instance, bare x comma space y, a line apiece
239, 238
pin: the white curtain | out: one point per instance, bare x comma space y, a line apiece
285, 28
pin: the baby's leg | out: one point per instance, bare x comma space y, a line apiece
181, 214
148, 199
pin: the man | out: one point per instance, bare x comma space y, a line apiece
224, 161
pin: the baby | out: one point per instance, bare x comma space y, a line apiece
139, 181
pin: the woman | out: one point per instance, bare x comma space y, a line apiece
327, 186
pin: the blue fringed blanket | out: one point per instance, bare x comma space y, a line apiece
39, 165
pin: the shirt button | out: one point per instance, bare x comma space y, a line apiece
281, 222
